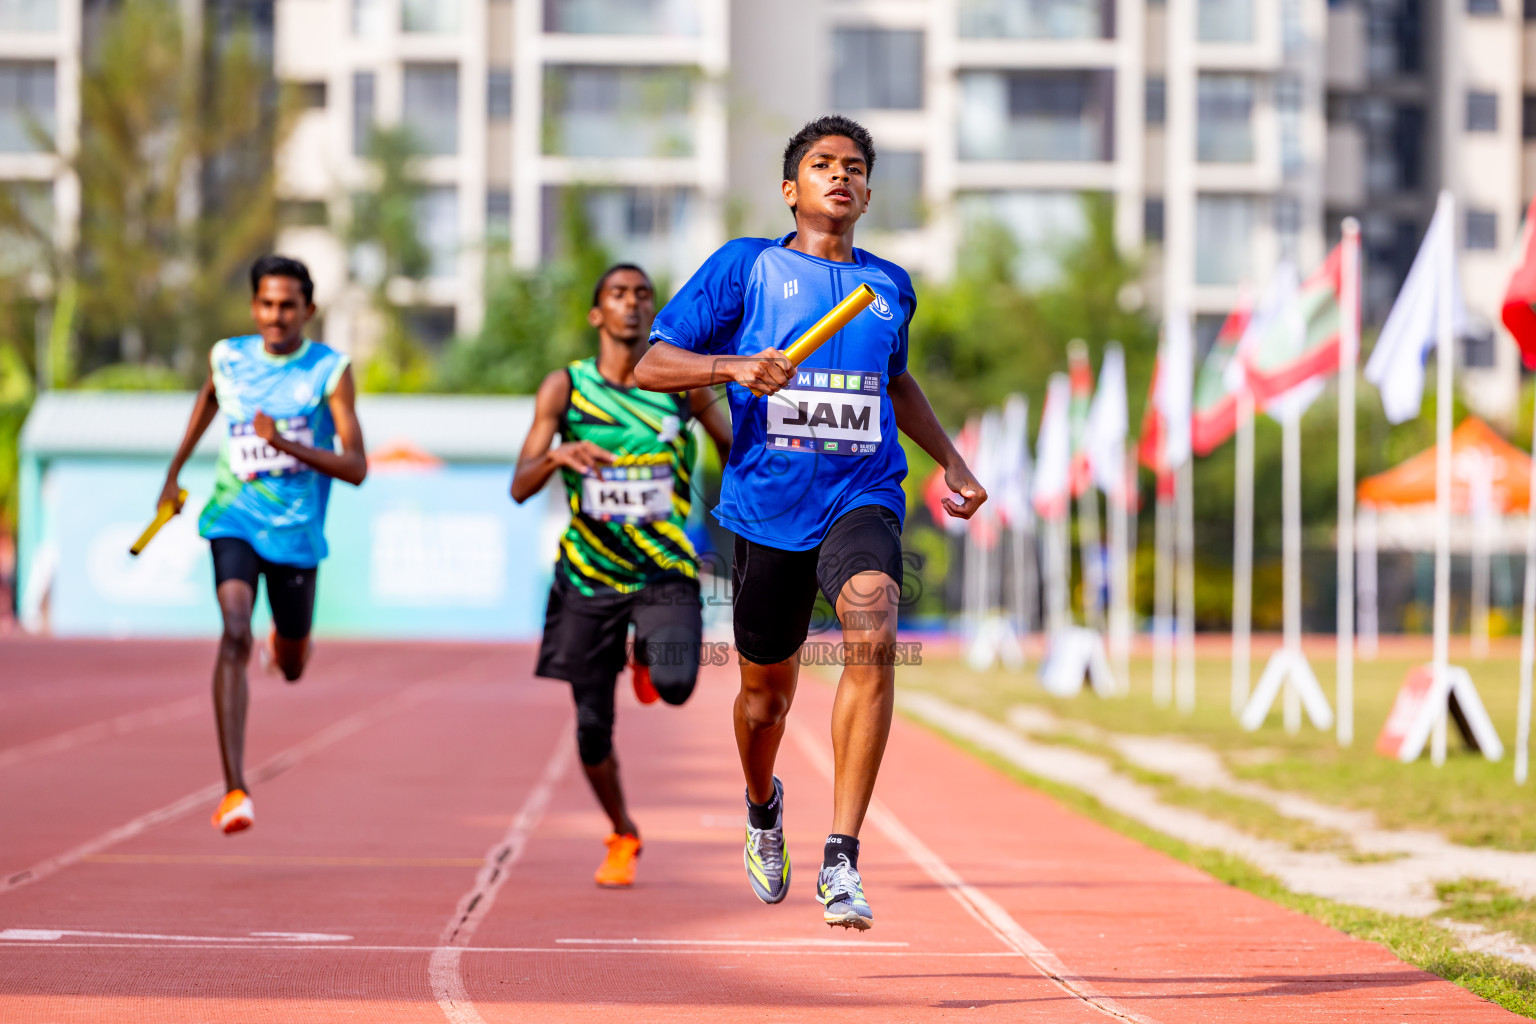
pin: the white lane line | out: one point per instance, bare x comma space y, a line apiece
625, 950
978, 904
54, 934
443, 969
119, 726
202, 798
751, 943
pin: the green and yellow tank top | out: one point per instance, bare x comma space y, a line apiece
627, 519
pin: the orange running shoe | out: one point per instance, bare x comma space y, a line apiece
618, 868
235, 813
645, 693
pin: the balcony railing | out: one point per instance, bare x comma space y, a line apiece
1037, 19
602, 111
623, 17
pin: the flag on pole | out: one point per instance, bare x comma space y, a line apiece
1519, 313
1216, 387
1012, 488
1295, 335
1396, 365
1173, 390
936, 490
1080, 374
1104, 439
1053, 451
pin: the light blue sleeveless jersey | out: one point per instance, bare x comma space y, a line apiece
273, 502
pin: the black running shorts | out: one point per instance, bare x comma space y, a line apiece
290, 589
775, 590
585, 639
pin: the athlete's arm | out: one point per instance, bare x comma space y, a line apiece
538, 461
915, 418
709, 410
204, 409
668, 367
351, 463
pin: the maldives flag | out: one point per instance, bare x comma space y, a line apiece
1520, 297
1302, 345
1215, 416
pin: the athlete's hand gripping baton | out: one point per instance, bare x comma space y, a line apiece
836, 319
166, 513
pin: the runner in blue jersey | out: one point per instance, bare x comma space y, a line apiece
288, 402
813, 489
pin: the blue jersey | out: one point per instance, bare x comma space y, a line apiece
268, 499
827, 443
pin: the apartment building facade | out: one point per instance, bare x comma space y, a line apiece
1224, 133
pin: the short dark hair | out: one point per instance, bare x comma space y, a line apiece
272, 265
602, 282
801, 142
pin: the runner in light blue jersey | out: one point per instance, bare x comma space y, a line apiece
813, 489
288, 401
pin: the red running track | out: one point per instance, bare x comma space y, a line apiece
424, 848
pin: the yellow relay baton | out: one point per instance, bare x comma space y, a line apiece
836, 319
166, 513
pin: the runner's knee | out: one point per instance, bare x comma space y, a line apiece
235, 642
594, 742
594, 722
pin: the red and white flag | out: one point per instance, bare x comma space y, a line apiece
1519, 312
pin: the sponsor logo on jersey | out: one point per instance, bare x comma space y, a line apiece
792, 288
881, 308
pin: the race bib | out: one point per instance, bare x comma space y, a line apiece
251, 457
628, 494
825, 412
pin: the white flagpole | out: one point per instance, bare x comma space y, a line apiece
1483, 525
1349, 349
1162, 616
1242, 558
1527, 635
1132, 496
1290, 433
1444, 401
1091, 558
1119, 583
1184, 501
1365, 551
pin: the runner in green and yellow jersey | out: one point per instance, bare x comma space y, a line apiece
626, 457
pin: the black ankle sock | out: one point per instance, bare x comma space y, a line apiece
839, 846
764, 815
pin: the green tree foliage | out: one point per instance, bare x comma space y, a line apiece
387, 250
535, 320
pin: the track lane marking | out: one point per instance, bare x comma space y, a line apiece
753, 943
279, 860
987, 911
624, 950
201, 798
443, 971
120, 725
54, 934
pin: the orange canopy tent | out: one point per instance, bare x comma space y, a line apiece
1474, 446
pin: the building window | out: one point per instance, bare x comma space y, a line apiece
1157, 100
896, 203
498, 94
1482, 6
436, 16
27, 102
363, 116
370, 18
431, 107
1037, 115
1528, 114
623, 17
437, 225
1478, 351
1224, 231
312, 95
877, 69
498, 213
1152, 214
1041, 223
1225, 128
29, 15
1225, 21
1288, 104
1287, 216
1037, 19
432, 326
1482, 230
302, 213
27, 240
653, 227
609, 111
1482, 111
